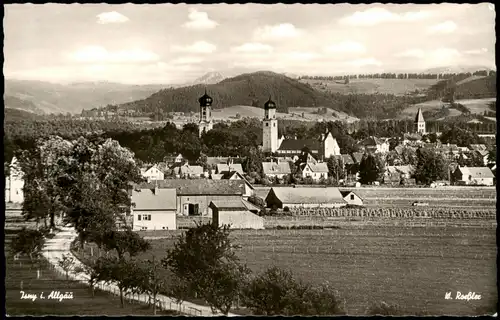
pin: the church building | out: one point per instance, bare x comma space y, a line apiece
205, 124
419, 122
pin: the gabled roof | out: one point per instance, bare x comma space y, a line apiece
419, 117
347, 159
198, 170
229, 174
221, 167
308, 195
228, 205
200, 186
345, 193
371, 141
154, 199
357, 156
276, 168
316, 167
216, 176
295, 144
476, 172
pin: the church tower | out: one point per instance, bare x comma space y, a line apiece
420, 122
205, 124
270, 127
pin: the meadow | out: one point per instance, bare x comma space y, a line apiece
411, 267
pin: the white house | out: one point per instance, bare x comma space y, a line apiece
236, 214
276, 169
152, 173
14, 183
474, 176
314, 170
154, 209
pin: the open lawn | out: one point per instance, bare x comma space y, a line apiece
22, 276
371, 86
477, 106
412, 267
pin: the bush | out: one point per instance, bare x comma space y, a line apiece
286, 209
384, 309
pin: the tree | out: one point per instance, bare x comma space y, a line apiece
67, 263
258, 201
91, 269
370, 169
431, 166
125, 242
28, 242
335, 169
204, 259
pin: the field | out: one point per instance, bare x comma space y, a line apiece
295, 114
411, 267
370, 86
439, 197
20, 274
477, 106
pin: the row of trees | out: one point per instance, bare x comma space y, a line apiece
401, 75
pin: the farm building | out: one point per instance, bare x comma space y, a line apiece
194, 196
152, 173
306, 197
474, 176
154, 209
276, 169
14, 183
236, 214
351, 198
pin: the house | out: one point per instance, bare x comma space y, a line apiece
152, 173
351, 198
14, 183
194, 196
235, 214
322, 148
188, 171
174, 159
357, 157
154, 208
276, 169
230, 166
474, 176
314, 197
374, 145
484, 155
235, 175
314, 170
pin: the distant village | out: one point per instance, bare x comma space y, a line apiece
176, 188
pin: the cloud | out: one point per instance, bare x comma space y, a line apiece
476, 51
197, 47
111, 17
277, 32
252, 47
411, 53
97, 54
199, 20
302, 56
346, 47
186, 60
378, 15
444, 27
443, 54
364, 62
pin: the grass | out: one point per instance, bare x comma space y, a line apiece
411, 267
477, 106
83, 303
371, 86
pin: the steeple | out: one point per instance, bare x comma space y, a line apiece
419, 122
205, 124
420, 116
269, 104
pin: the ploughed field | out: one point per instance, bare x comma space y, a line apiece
411, 267
465, 197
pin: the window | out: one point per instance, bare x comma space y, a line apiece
146, 217
139, 217
274, 124
352, 197
267, 124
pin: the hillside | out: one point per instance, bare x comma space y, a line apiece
209, 78
20, 104
396, 87
18, 115
58, 98
251, 89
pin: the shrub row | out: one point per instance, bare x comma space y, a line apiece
307, 227
440, 213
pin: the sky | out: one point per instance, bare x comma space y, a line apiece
176, 43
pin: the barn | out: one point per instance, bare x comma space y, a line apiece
154, 209
305, 197
235, 214
351, 198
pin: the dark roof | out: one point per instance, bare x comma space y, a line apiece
270, 104
205, 99
295, 144
345, 193
154, 199
420, 116
371, 141
200, 186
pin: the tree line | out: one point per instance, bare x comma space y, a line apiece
402, 75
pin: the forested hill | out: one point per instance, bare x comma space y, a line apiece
464, 88
251, 89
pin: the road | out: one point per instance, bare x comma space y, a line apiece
59, 246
